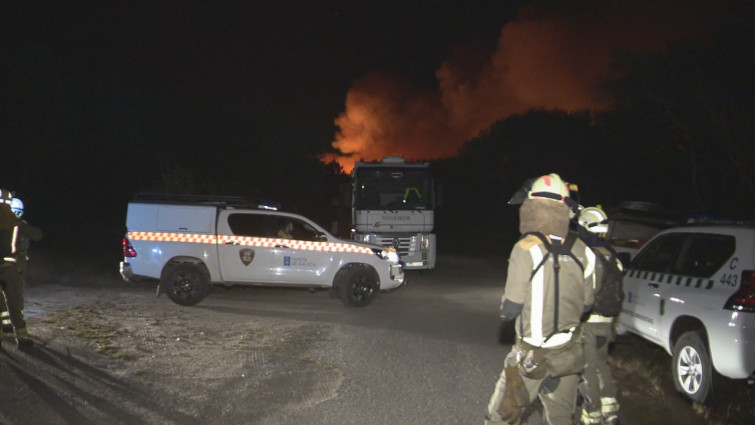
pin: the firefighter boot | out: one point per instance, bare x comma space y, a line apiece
610, 410
590, 418
22, 338
5, 319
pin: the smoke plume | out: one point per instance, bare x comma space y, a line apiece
553, 57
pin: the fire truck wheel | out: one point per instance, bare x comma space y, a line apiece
186, 284
358, 285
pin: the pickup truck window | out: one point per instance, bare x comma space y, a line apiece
257, 225
267, 226
304, 232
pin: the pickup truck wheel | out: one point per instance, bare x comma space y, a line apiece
186, 284
693, 371
358, 286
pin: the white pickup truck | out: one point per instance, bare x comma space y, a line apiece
189, 243
691, 290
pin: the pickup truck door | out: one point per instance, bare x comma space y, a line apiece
644, 285
243, 251
252, 250
304, 259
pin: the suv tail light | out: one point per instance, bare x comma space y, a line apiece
128, 249
744, 299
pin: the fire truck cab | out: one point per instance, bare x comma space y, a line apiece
393, 205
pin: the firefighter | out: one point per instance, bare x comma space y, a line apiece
14, 240
600, 405
548, 288
286, 229
17, 207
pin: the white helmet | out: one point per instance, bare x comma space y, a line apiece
549, 187
594, 220
17, 206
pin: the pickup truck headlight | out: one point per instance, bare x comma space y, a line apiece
389, 254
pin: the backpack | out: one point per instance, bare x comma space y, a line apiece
563, 248
609, 297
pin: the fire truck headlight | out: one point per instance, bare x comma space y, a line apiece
362, 238
425, 242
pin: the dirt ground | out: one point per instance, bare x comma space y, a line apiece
93, 327
182, 370
646, 389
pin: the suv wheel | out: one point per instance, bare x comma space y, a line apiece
692, 368
186, 284
358, 286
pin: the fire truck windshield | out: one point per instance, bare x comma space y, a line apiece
394, 189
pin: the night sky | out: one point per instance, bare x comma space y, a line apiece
297, 59
102, 97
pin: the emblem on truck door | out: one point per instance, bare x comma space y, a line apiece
247, 256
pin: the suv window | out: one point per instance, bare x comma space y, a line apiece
659, 256
689, 254
703, 254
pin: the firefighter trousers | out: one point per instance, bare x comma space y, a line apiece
13, 295
598, 383
558, 396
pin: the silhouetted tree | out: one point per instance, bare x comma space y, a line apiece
699, 97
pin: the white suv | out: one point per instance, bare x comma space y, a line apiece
691, 290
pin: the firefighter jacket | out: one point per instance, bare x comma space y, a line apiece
15, 241
546, 309
541, 308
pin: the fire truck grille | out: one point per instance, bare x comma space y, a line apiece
403, 244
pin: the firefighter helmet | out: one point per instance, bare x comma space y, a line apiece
549, 187
17, 206
594, 220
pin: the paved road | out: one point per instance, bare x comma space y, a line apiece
425, 354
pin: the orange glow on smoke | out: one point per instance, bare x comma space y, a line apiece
547, 58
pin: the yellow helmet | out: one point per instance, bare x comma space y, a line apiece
594, 220
549, 187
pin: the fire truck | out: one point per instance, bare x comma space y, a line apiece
392, 204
